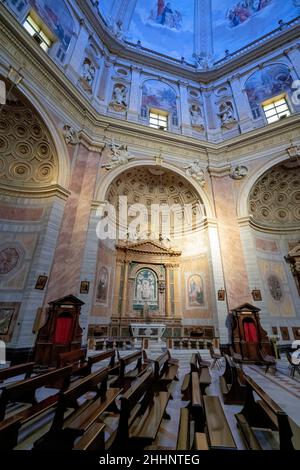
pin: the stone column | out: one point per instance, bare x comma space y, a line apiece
242, 103
76, 58
220, 319
116, 312
65, 274
135, 94
103, 89
177, 291
125, 284
185, 111
88, 270
41, 263
254, 275
233, 258
168, 291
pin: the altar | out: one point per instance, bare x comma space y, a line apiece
152, 332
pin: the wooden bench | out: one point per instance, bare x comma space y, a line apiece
126, 377
24, 392
77, 359
165, 370
216, 358
141, 412
93, 439
218, 431
232, 384
73, 419
193, 412
263, 416
15, 371
201, 367
9, 430
96, 358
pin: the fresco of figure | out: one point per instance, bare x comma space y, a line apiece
244, 10
165, 15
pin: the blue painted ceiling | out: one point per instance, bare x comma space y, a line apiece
170, 27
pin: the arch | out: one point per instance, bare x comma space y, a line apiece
160, 99
64, 169
265, 83
243, 196
107, 179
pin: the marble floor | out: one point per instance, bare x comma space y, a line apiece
283, 389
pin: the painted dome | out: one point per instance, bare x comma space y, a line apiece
201, 32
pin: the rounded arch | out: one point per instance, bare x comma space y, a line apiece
243, 196
271, 64
270, 81
107, 179
39, 106
160, 80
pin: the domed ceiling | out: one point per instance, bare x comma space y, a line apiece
275, 198
180, 28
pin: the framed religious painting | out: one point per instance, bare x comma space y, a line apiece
285, 333
84, 287
296, 332
41, 282
256, 294
8, 317
221, 295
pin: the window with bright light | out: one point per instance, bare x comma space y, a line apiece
38, 33
158, 120
276, 109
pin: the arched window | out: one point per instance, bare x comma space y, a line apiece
159, 105
273, 81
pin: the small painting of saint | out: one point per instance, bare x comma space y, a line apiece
195, 292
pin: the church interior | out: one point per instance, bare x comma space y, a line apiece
149, 225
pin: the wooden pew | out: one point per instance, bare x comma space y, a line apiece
218, 431
96, 358
93, 439
266, 416
232, 384
165, 370
77, 359
215, 357
142, 410
193, 412
24, 392
9, 430
201, 367
73, 420
15, 371
126, 377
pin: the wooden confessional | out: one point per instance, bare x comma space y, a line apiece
61, 332
248, 336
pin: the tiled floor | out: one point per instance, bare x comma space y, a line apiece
280, 386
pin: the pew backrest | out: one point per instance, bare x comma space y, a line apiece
24, 391
72, 357
125, 361
14, 371
111, 354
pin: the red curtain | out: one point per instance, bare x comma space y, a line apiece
250, 332
63, 330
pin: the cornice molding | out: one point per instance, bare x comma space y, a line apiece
35, 192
